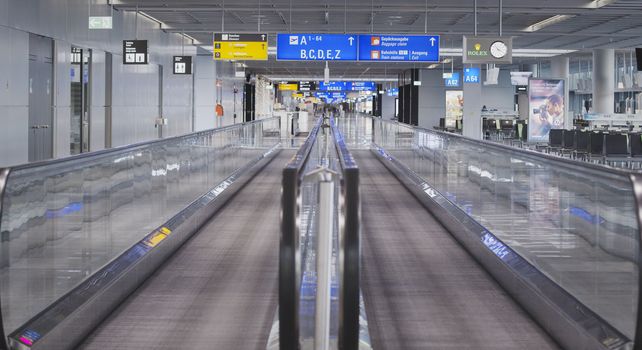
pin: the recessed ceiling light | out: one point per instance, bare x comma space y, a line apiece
547, 22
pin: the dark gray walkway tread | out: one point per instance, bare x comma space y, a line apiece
219, 291
422, 289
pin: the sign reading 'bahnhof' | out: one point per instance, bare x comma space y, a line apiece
357, 47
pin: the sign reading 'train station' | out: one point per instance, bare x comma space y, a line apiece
399, 48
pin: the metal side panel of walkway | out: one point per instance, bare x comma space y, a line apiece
422, 290
218, 291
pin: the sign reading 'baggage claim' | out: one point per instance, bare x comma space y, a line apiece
242, 47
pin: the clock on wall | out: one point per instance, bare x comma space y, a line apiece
498, 49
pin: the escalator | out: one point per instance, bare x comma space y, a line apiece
218, 291
422, 290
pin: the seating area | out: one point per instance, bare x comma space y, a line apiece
612, 148
515, 131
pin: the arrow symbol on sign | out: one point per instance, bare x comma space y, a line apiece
262, 37
432, 41
350, 39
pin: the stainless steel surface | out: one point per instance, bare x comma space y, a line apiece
218, 291
63, 220
422, 290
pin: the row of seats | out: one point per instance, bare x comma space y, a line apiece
600, 146
505, 129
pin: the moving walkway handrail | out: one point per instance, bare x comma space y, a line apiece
350, 246
349, 255
289, 254
133, 146
525, 152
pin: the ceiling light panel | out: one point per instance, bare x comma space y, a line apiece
547, 22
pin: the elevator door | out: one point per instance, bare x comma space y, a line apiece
40, 98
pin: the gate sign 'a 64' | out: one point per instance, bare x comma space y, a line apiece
316, 47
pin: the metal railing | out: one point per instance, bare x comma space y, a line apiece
72, 228
335, 191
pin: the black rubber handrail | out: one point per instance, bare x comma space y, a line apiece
349, 269
289, 254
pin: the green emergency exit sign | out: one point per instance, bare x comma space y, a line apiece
100, 22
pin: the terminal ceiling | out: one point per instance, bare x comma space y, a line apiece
614, 23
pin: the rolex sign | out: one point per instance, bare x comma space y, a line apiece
484, 50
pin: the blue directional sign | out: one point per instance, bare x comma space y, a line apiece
453, 80
334, 86
316, 47
393, 92
363, 86
399, 48
331, 96
472, 75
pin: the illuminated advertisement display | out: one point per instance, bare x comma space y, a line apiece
546, 108
454, 107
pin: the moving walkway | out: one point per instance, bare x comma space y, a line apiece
391, 237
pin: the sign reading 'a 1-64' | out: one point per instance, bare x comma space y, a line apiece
316, 47
357, 47
400, 48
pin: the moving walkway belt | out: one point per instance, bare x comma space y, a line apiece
421, 288
218, 291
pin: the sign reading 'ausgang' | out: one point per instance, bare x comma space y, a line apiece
399, 48
483, 50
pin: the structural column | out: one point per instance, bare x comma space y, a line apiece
560, 69
472, 109
604, 81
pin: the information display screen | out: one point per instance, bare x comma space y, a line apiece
307, 86
520, 78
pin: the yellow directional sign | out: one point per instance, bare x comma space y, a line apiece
288, 87
242, 47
